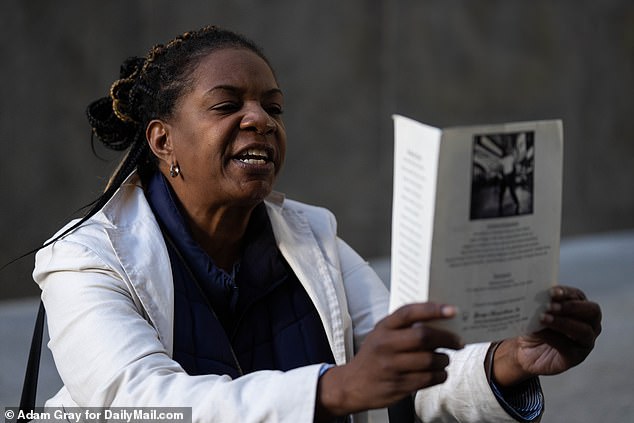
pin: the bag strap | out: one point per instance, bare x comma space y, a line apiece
402, 411
29, 388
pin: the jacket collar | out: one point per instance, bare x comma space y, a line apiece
138, 243
298, 244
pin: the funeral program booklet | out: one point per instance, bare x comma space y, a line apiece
475, 223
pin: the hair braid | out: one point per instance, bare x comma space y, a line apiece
148, 88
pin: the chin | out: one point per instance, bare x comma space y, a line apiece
256, 194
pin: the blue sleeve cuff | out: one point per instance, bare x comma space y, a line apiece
324, 368
524, 402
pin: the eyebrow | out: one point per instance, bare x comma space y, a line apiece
236, 90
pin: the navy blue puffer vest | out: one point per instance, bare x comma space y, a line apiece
257, 318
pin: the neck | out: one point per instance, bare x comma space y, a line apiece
220, 233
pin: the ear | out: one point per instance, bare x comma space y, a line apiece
157, 135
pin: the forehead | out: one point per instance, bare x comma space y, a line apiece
233, 66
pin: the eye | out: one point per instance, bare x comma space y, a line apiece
227, 107
274, 109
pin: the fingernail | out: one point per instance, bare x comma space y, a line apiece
556, 291
448, 311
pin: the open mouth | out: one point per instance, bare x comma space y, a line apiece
255, 156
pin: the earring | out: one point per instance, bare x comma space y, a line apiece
175, 170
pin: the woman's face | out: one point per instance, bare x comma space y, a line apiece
227, 132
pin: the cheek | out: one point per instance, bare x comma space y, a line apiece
206, 148
282, 144
282, 152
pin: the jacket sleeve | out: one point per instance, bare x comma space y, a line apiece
109, 355
366, 294
465, 396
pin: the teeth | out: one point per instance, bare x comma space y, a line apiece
253, 161
257, 153
254, 156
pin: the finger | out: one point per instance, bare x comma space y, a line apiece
578, 332
426, 379
419, 362
584, 311
422, 337
418, 312
562, 292
413, 381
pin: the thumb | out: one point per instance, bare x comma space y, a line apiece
410, 314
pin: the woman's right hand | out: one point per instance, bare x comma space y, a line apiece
397, 358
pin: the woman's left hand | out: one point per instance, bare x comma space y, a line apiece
571, 326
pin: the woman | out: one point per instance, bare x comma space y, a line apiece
191, 284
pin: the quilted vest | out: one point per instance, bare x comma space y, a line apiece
258, 317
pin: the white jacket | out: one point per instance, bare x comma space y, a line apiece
108, 292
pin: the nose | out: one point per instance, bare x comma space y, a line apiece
258, 120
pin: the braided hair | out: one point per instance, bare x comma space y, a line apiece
148, 88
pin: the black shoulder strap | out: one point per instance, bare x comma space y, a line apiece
402, 411
29, 388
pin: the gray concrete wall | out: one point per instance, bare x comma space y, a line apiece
345, 67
